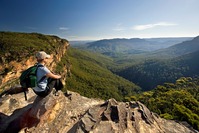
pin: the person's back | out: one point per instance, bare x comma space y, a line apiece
46, 79
41, 72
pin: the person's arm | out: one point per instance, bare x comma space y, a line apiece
54, 76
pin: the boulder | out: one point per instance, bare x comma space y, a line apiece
120, 117
73, 113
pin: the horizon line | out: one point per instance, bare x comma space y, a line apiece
130, 38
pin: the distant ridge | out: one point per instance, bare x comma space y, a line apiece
114, 46
183, 48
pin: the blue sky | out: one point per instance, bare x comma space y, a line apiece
101, 19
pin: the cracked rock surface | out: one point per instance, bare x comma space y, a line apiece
77, 114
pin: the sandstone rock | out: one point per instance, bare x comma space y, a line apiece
49, 114
73, 113
15, 68
133, 117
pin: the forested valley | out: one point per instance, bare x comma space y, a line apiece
167, 83
168, 77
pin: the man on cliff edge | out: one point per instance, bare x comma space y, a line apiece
45, 78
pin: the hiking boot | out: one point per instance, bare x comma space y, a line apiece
68, 95
56, 93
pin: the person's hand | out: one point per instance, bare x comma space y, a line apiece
54, 76
58, 76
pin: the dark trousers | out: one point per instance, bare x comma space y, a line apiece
52, 83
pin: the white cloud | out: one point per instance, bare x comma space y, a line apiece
63, 28
149, 26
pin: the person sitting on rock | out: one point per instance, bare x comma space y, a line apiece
47, 79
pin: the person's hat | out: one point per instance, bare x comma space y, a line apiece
42, 55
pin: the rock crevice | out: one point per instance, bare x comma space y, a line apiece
78, 114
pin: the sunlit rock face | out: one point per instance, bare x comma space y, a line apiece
74, 113
10, 71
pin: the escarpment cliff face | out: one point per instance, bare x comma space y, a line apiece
73, 113
18, 53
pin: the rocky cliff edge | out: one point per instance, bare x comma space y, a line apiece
73, 113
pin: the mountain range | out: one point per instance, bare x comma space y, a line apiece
98, 76
111, 47
184, 63
179, 49
154, 62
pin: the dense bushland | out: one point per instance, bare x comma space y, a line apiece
178, 101
17, 46
90, 76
